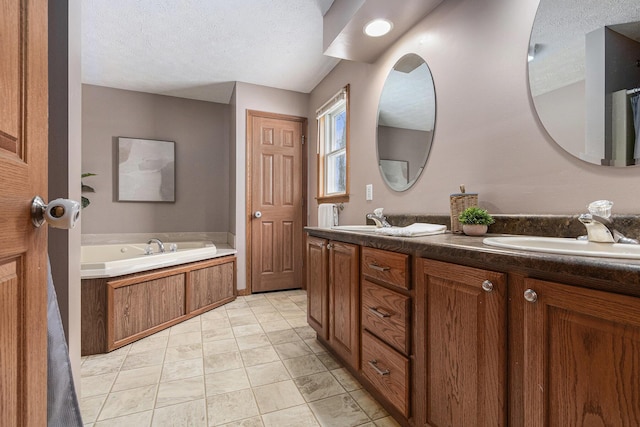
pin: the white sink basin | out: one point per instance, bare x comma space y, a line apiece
358, 228
566, 246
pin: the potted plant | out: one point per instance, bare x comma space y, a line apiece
86, 188
475, 221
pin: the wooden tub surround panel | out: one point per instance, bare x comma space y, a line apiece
117, 311
143, 308
208, 286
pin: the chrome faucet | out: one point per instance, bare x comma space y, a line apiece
600, 229
378, 218
158, 242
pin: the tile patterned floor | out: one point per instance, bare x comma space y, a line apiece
253, 362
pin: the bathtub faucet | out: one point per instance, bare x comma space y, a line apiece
159, 242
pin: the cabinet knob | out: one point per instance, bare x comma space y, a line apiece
329, 245
530, 295
487, 286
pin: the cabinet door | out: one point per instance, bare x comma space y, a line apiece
581, 357
344, 314
464, 324
318, 286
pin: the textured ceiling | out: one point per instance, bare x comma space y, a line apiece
559, 31
199, 48
408, 100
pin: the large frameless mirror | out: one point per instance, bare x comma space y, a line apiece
406, 119
584, 77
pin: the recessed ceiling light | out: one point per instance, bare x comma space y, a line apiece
378, 28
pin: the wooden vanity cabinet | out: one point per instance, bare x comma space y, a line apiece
318, 286
344, 301
461, 322
386, 326
451, 345
581, 363
333, 309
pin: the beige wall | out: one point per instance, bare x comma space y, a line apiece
566, 123
201, 132
404, 144
487, 135
210, 155
64, 164
260, 98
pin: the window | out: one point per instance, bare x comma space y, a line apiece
333, 148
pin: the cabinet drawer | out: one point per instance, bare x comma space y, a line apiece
387, 370
385, 313
388, 267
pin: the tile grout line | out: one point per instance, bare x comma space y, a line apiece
106, 398
155, 400
291, 320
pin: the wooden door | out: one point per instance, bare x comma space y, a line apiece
23, 174
581, 357
464, 324
276, 191
318, 286
344, 301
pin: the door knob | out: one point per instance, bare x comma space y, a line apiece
59, 213
258, 214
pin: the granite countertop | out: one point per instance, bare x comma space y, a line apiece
608, 274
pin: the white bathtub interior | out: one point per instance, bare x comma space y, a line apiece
117, 259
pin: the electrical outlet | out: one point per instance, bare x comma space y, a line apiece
369, 192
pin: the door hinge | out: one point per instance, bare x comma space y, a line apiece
303, 139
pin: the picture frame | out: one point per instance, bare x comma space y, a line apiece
395, 171
146, 170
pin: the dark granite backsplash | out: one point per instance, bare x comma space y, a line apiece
529, 225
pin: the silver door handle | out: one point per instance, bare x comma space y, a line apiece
374, 365
379, 268
379, 313
257, 214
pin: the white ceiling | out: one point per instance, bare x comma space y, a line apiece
199, 48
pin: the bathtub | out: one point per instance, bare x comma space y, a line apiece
110, 260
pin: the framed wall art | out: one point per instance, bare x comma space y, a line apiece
396, 171
146, 170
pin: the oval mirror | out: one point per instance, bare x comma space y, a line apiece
406, 118
584, 77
